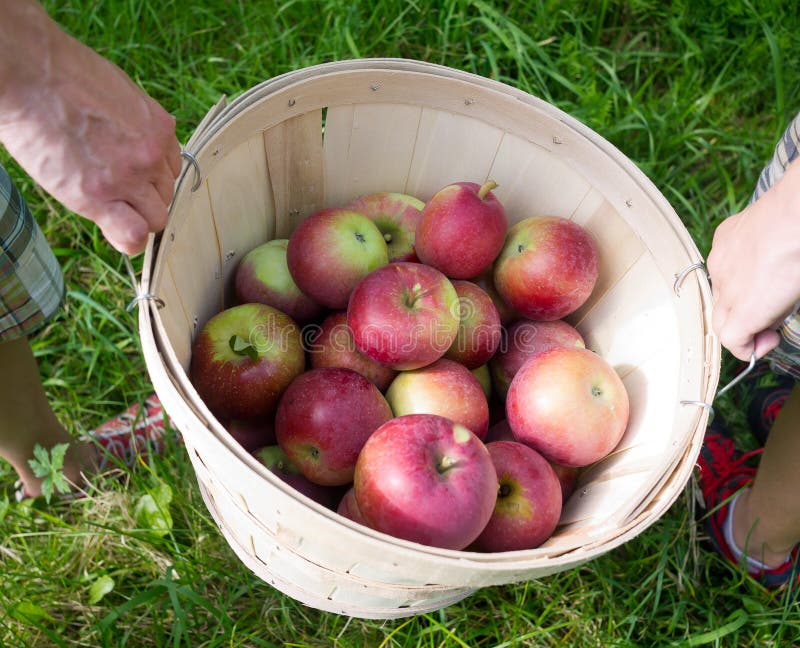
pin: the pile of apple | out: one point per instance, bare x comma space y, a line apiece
408, 365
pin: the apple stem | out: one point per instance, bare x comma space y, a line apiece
486, 187
445, 464
242, 347
411, 296
387, 237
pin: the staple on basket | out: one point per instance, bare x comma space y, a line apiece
323, 135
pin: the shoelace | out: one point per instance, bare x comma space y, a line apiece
772, 407
717, 473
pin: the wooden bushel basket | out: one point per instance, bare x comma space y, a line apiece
323, 135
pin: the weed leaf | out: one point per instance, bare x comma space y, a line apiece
152, 510
49, 466
100, 588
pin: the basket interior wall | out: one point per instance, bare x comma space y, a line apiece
277, 161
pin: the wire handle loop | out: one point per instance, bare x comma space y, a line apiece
740, 376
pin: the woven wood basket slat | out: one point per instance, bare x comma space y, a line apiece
320, 137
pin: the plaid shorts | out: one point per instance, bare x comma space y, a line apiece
31, 284
786, 357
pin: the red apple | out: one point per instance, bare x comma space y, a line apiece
528, 501
500, 431
445, 388
404, 315
485, 379
497, 409
280, 465
396, 216
323, 420
244, 358
568, 404
426, 479
479, 329
507, 314
252, 434
262, 276
548, 267
462, 229
334, 347
525, 338
348, 507
568, 478
331, 251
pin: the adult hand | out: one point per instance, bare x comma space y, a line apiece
754, 265
83, 130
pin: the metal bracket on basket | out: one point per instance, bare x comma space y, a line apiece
145, 297
140, 296
705, 406
683, 273
193, 161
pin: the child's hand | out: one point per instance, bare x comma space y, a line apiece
754, 266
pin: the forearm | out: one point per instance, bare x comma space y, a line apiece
82, 129
27, 40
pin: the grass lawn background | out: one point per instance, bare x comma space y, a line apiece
695, 93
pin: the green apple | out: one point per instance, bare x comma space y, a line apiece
244, 358
263, 276
396, 216
331, 251
445, 388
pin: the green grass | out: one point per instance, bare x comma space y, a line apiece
695, 93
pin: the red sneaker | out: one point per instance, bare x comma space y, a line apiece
724, 471
136, 432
